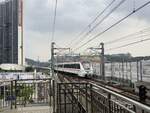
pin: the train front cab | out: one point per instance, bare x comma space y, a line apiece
86, 69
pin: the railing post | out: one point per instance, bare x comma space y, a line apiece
54, 109
86, 97
143, 111
50, 92
65, 94
57, 95
91, 98
72, 102
134, 108
15, 94
11, 94
109, 102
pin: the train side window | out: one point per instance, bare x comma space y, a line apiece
77, 66
59, 65
66, 66
71, 65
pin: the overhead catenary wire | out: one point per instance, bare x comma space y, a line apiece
129, 36
102, 20
129, 44
118, 22
54, 21
93, 21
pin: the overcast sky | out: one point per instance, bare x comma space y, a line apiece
73, 16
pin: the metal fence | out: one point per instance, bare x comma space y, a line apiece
24, 93
131, 71
90, 98
32, 91
5, 94
108, 101
123, 71
66, 97
72, 98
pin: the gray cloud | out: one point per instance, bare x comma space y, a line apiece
72, 17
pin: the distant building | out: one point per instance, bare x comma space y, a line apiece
30, 62
12, 67
9, 31
67, 58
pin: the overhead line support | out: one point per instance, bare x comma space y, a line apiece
102, 62
52, 56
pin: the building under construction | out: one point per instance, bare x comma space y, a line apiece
9, 31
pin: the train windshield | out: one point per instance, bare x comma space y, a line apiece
86, 65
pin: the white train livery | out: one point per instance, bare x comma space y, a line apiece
81, 69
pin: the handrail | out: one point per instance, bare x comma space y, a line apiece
25, 79
138, 104
34, 79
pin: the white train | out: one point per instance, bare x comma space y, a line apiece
82, 69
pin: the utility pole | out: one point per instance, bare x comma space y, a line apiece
60, 49
102, 63
52, 58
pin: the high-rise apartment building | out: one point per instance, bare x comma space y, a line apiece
9, 25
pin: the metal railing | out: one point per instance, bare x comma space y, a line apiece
91, 98
115, 101
70, 98
6, 95
25, 92
32, 91
66, 97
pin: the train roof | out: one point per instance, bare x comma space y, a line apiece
71, 62
68, 63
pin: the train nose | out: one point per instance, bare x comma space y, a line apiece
89, 73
